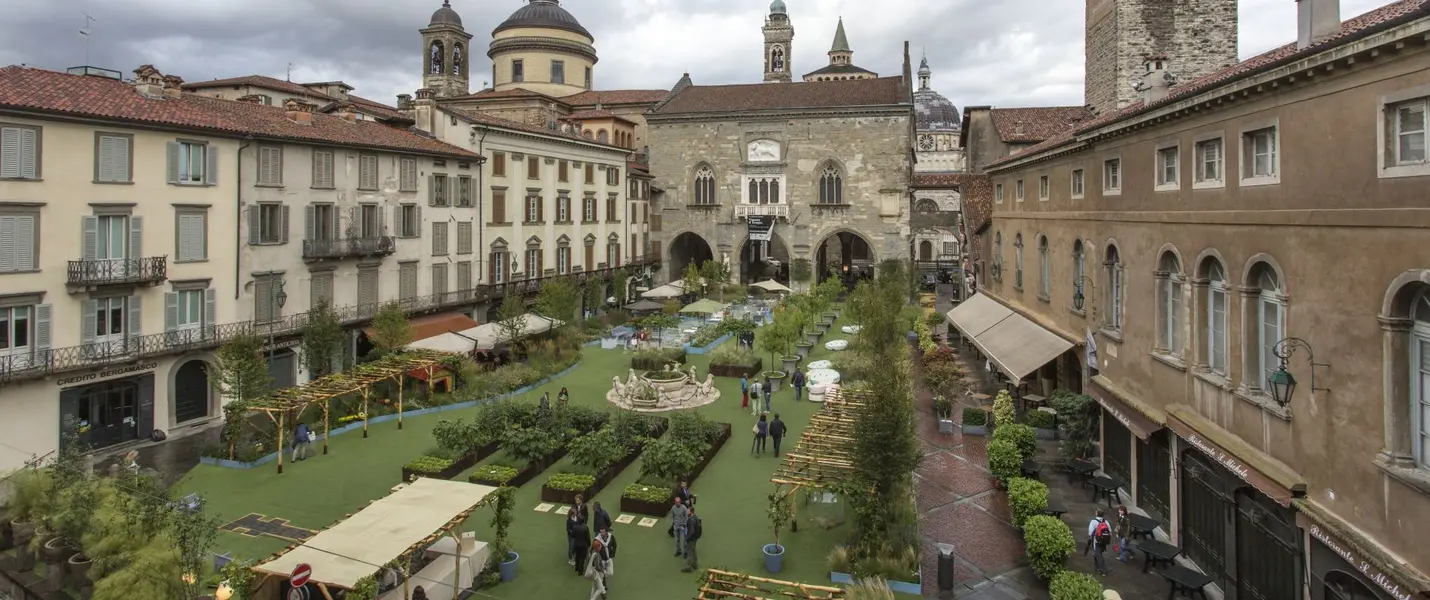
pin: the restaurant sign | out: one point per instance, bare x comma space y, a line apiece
1366, 569
1220, 456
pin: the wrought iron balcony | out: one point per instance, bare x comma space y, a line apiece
777, 210
356, 247
118, 271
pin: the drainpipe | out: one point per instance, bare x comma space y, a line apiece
238, 222
481, 208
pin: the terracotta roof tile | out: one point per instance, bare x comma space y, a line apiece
1037, 123
1351, 30
511, 93
261, 81
486, 119
376, 108
39, 90
638, 168
804, 94
586, 115
594, 97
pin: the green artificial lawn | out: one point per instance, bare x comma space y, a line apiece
733, 496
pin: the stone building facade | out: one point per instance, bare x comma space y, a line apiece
1198, 36
1190, 255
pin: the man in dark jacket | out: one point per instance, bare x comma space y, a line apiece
600, 518
578, 541
777, 431
683, 492
798, 381
693, 528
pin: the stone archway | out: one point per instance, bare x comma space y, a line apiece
764, 260
846, 252
925, 250
687, 248
192, 392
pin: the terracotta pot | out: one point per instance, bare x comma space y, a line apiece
78, 568
55, 550
22, 530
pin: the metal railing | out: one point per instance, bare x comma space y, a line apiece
41, 363
354, 247
112, 271
745, 210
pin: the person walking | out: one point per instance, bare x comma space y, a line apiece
777, 432
693, 529
419, 594
686, 496
762, 429
302, 437
608, 542
1099, 533
1123, 531
744, 391
545, 402
578, 539
679, 515
755, 389
600, 518
797, 380
596, 570
563, 397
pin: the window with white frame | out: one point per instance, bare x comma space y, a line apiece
1043, 187
192, 162
1113, 267
19, 241
1112, 175
16, 326
1167, 167
563, 260
407, 174
1407, 133
998, 193
189, 309
1170, 304
1216, 331
1270, 324
1420, 378
998, 255
1079, 269
1077, 183
1208, 156
1258, 152
588, 209
1018, 261
1018, 190
533, 262
1044, 269
763, 189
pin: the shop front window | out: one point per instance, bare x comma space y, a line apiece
108, 414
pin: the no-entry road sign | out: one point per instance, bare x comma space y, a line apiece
301, 574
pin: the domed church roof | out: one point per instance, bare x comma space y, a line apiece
932, 111
778, 7
543, 13
446, 16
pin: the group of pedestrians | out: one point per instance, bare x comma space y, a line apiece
774, 430
751, 394
592, 557
685, 527
1101, 534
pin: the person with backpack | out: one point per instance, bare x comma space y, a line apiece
596, 565
755, 389
302, 441
1099, 534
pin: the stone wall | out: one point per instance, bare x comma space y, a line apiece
1199, 36
873, 152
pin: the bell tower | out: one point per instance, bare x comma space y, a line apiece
779, 42
446, 53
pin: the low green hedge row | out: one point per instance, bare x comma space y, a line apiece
1004, 460
975, 417
500, 474
648, 493
1021, 436
1049, 543
570, 482
1027, 498
428, 464
1041, 420
1071, 585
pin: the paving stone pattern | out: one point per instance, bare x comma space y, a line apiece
254, 525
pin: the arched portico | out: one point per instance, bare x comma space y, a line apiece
764, 260
846, 252
687, 248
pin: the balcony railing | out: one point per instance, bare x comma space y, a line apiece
356, 247
118, 271
745, 210
41, 363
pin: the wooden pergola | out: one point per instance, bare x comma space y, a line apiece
720, 585
357, 380
821, 456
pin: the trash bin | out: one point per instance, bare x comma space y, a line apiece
945, 567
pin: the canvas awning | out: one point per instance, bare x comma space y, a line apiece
1016, 345
703, 307
490, 334
446, 342
771, 285
673, 289
644, 305
385, 530
435, 325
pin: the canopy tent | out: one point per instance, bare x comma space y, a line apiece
1013, 343
704, 307
673, 289
446, 342
770, 285
391, 528
644, 305
489, 335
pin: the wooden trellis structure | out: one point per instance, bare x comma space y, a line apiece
357, 380
723, 585
821, 456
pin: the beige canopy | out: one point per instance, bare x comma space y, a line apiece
673, 289
385, 530
771, 285
491, 334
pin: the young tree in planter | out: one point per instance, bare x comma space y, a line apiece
659, 323
391, 331
780, 511
715, 273
322, 339
510, 323
622, 279
242, 376
559, 299
694, 283
776, 339
800, 272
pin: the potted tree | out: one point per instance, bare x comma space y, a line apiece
800, 273
943, 410
504, 556
777, 340
779, 511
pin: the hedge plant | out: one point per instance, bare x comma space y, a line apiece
1039, 419
570, 482
1021, 436
428, 464
1004, 413
1027, 497
648, 493
1049, 543
1004, 461
1071, 585
499, 474
974, 417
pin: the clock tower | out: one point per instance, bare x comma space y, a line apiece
779, 40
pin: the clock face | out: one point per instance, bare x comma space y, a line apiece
925, 142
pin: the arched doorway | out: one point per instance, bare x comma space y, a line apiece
764, 260
846, 253
192, 392
688, 248
925, 250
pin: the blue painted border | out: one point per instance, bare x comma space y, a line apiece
709, 348
357, 425
902, 587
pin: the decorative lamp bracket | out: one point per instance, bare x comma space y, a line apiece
1281, 383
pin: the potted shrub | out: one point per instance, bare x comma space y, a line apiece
503, 555
1004, 461
791, 362
1023, 437
1071, 585
28, 490
943, 409
975, 421
1026, 497
779, 511
1044, 424
1004, 412
803, 348
1049, 542
774, 377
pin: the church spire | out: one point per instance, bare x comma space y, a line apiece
841, 41
924, 72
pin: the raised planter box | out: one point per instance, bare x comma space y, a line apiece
737, 370
528, 473
902, 587
1046, 434
459, 465
661, 509
975, 429
709, 347
604, 479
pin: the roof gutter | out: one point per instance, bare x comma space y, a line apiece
238, 220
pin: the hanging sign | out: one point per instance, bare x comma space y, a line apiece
762, 227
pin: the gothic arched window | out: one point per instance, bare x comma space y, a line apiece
435, 60
831, 186
458, 67
704, 186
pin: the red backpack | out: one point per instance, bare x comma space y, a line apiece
1103, 534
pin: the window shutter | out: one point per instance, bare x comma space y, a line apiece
431, 190
499, 207
43, 339
24, 247
254, 227
262, 310
171, 311
210, 311
119, 159
9, 261
90, 225
136, 237
136, 312
491, 267
173, 162
29, 154
104, 158
88, 321
417, 227
9, 152
540, 209
211, 173
397, 221
201, 236
283, 226
309, 222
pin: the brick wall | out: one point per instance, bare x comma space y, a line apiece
1198, 35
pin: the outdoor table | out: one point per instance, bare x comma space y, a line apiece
1031, 469
1105, 486
1142, 526
1157, 553
1034, 400
981, 398
1055, 508
1082, 469
1186, 582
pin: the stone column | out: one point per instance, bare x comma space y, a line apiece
1396, 390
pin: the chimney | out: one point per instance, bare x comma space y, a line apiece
1316, 20
148, 81
173, 86
1157, 80
347, 112
404, 101
425, 93
1018, 128
299, 111
250, 99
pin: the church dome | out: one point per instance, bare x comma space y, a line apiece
933, 112
446, 16
546, 14
777, 7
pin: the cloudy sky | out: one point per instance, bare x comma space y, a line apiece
1004, 52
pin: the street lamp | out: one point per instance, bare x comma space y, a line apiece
276, 297
1078, 298
1281, 383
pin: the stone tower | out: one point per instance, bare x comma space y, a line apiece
839, 51
446, 53
1197, 37
779, 41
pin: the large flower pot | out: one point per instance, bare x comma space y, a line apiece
945, 425
820, 328
508, 568
55, 550
774, 557
812, 337
790, 363
774, 377
22, 531
78, 568
802, 349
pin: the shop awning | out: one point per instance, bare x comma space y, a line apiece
1138, 417
1268, 475
1015, 344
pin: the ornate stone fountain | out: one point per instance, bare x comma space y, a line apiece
667, 389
